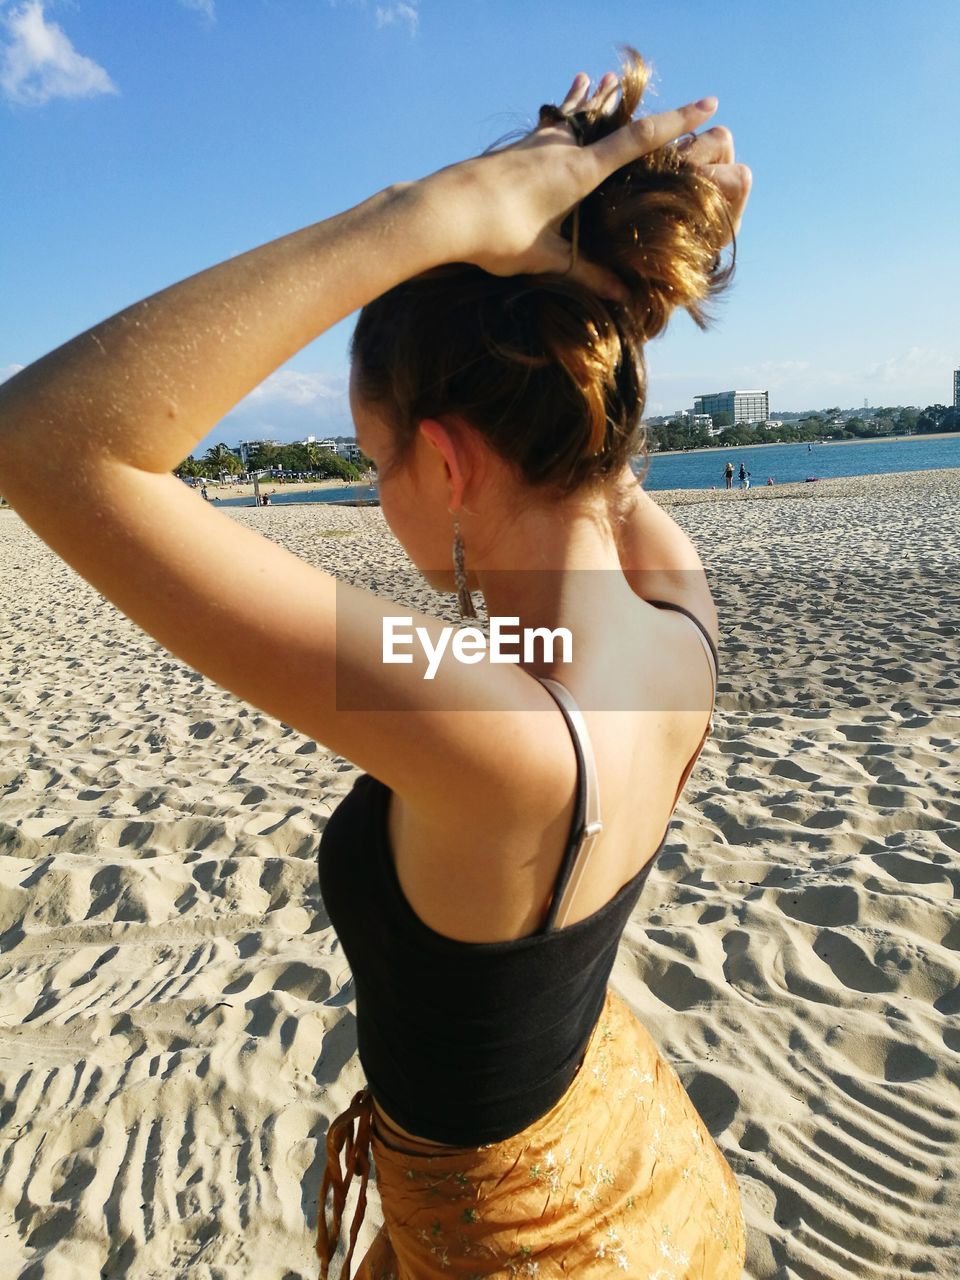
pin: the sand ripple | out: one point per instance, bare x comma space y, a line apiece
176, 1022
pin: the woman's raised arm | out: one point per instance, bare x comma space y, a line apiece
90, 433
145, 386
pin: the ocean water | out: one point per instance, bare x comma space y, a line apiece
347, 493
703, 469
787, 463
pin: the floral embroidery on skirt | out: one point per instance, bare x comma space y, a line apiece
621, 1176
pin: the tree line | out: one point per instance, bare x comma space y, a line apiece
321, 463
815, 426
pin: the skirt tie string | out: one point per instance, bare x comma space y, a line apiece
356, 1160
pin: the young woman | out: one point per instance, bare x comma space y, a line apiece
482, 869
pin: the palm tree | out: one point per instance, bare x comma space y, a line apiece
223, 459
189, 467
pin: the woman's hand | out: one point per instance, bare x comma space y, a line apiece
505, 209
711, 152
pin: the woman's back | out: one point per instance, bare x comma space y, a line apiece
491, 879
470, 1039
511, 1094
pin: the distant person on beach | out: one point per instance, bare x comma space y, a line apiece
728, 475
203, 490
482, 869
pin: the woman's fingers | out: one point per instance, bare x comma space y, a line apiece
577, 94
730, 178
598, 280
579, 97
734, 181
557, 261
648, 134
606, 96
713, 146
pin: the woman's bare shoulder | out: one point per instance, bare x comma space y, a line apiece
482, 866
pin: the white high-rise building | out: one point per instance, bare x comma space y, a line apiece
956, 388
744, 406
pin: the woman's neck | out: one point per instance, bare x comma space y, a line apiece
571, 574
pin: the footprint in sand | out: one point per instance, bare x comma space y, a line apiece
822, 905
680, 988
850, 963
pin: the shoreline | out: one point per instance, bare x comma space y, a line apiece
818, 444
792, 490
828, 487
235, 490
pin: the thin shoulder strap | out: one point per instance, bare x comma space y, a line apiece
705, 636
711, 651
586, 826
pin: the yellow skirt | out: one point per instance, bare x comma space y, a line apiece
621, 1175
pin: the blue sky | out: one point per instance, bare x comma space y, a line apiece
140, 143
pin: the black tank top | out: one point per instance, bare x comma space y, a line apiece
468, 1043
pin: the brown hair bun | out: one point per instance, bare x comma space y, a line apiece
657, 223
552, 375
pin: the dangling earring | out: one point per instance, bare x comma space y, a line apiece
464, 599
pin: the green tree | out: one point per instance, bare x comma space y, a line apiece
932, 418
740, 434
332, 466
265, 455
220, 458
189, 468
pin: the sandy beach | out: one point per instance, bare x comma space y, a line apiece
176, 1021
270, 485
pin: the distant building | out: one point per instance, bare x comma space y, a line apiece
744, 406
956, 388
244, 449
698, 420
348, 449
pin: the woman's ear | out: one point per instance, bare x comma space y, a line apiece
449, 454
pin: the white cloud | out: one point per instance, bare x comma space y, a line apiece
398, 12
38, 62
206, 8
7, 371
914, 365
290, 404
291, 386
391, 14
